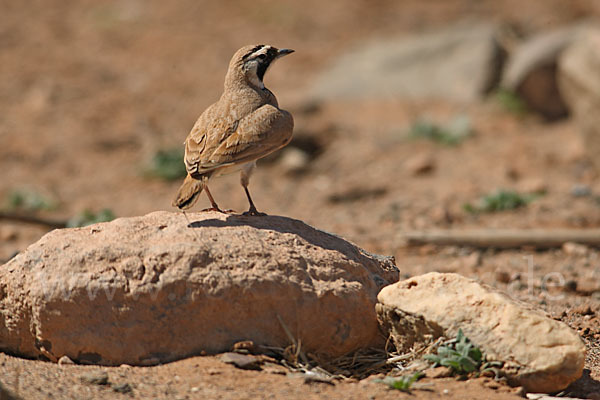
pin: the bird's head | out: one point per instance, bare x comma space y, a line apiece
250, 63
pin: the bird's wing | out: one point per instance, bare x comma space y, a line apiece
209, 131
254, 136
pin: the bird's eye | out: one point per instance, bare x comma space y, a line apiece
262, 56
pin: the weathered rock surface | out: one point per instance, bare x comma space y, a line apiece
541, 354
579, 83
531, 71
152, 289
460, 63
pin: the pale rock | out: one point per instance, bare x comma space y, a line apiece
419, 164
460, 63
575, 249
294, 160
579, 83
540, 353
64, 360
152, 289
531, 70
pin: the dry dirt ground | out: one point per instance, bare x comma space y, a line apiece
91, 90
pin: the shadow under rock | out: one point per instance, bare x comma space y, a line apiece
583, 387
312, 235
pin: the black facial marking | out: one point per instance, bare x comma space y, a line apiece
265, 62
256, 48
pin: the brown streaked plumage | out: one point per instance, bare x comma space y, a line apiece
243, 126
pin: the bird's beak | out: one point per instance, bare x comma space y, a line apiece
284, 52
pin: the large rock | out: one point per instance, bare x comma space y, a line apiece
541, 354
579, 83
152, 289
531, 70
460, 63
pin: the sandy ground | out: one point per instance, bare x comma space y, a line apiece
92, 90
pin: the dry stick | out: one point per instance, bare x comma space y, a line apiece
291, 338
30, 219
504, 238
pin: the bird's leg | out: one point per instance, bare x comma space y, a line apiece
214, 206
245, 180
252, 211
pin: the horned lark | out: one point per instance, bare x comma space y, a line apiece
243, 126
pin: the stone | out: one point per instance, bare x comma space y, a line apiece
579, 83
157, 288
460, 63
294, 160
420, 164
64, 360
122, 388
531, 71
95, 378
241, 361
539, 353
575, 249
438, 372
581, 190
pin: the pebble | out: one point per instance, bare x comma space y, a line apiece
438, 372
420, 164
122, 388
95, 378
65, 360
580, 190
502, 276
575, 249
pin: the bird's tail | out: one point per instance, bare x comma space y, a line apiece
188, 193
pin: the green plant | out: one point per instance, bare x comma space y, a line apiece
27, 200
167, 164
451, 134
500, 200
88, 217
403, 383
510, 101
459, 354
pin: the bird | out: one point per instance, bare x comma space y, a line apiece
245, 124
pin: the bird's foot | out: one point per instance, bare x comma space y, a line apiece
253, 212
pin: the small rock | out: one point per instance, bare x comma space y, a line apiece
273, 368
575, 249
492, 385
502, 276
420, 164
242, 361
531, 71
584, 309
570, 286
449, 302
95, 378
579, 84
247, 345
520, 391
294, 160
122, 388
438, 372
8, 234
581, 190
65, 360
533, 185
